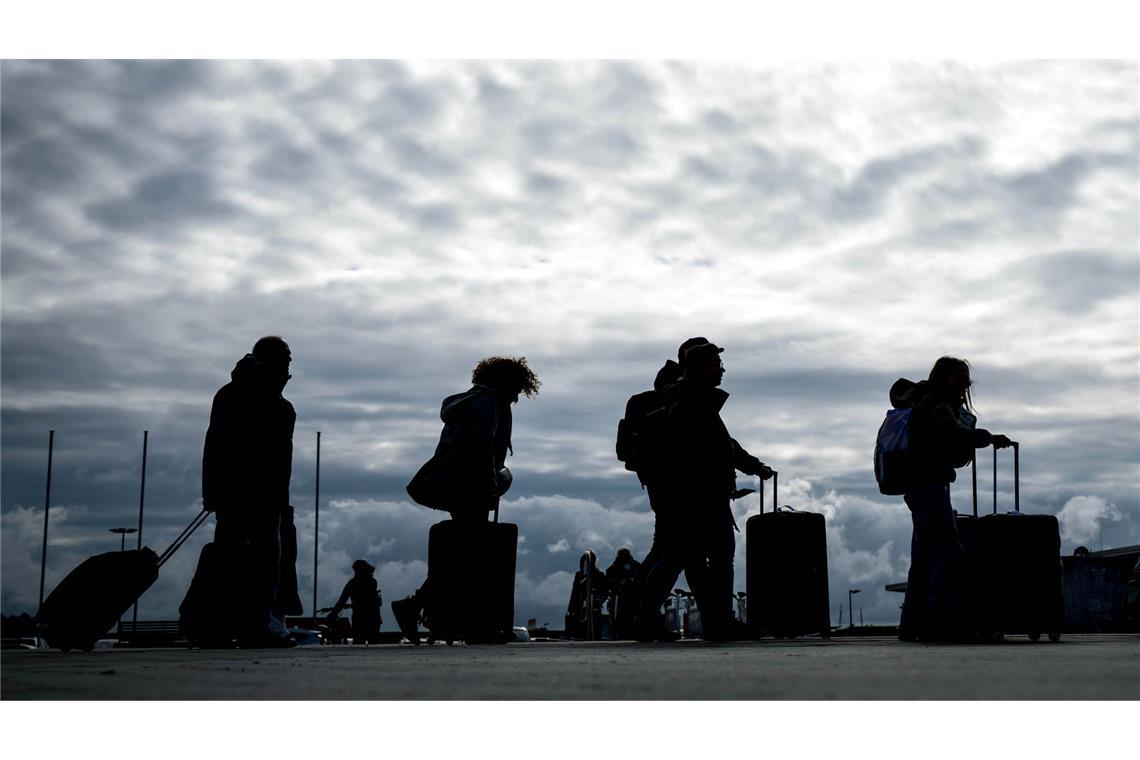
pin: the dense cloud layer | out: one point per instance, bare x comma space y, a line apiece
834, 227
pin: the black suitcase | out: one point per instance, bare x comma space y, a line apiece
91, 598
1011, 571
207, 615
472, 570
786, 553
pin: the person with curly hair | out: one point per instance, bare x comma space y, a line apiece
467, 474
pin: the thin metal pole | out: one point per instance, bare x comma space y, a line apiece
1016, 477
995, 480
317, 527
974, 480
47, 507
142, 501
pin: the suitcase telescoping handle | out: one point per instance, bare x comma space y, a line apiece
775, 492
183, 536
1016, 478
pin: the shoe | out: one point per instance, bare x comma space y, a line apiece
407, 615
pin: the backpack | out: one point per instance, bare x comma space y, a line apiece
892, 453
638, 433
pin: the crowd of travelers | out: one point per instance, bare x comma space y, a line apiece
671, 436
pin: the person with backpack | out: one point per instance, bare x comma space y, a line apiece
467, 474
942, 436
689, 461
364, 595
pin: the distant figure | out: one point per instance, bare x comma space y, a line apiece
691, 473
624, 591
1081, 551
467, 474
246, 465
577, 614
365, 597
943, 437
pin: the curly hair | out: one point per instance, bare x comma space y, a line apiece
505, 372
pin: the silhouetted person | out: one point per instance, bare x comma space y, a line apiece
942, 438
624, 591
633, 449
693, 483
246, 465
364, 595
576, 612
467, 474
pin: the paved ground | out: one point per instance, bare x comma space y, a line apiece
1080, 667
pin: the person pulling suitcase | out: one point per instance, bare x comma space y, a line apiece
247, 462
942, 437
692, 464
468, 557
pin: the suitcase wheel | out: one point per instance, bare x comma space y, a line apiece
1034, 636
1054, 637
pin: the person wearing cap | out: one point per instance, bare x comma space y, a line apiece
362, 592
247, 461
694, 485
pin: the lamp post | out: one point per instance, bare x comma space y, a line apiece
142, 501
122, 547
851, 618
123, 536
47, 510
317, 528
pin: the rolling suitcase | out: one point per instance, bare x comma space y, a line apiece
472, 571
208, 613
1011, 576
786, 571
91, 598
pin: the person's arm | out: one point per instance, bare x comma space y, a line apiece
485, 428
215, 455
747, 463
342, 601
949, 427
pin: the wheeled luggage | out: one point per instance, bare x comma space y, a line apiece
208, 613
786, 571
1011, 575
91, 598
472, 572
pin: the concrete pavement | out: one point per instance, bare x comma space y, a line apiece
1079, 667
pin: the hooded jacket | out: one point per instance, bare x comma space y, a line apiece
473, 447
942, 438
642, 404
701, 453
247, 459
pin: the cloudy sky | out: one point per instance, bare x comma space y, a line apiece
833, 226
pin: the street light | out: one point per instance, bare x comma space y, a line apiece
122, 547
123, 536
850, 618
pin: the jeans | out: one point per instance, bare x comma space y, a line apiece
931, 605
